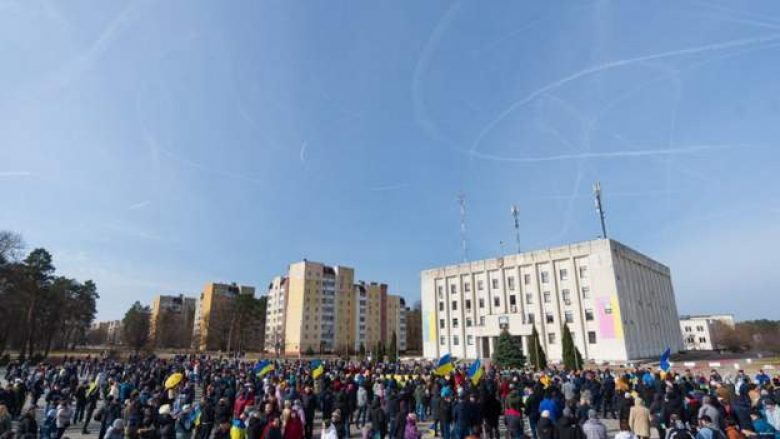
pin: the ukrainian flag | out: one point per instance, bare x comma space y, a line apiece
475, 372
316, 369
263, 367
444, 366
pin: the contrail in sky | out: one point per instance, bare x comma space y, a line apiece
608, 154
607, 66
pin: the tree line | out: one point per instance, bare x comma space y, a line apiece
40, 310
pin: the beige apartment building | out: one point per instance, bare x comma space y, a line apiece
320, 308
215, 324
172, 321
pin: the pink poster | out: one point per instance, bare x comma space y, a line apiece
606, 318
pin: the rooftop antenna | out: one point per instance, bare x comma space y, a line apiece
516, 214
462, 204
600, 208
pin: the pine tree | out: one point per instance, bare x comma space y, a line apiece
536, 356
508, 352
392, 348
570, 360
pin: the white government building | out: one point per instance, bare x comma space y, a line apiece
698, 331
618, 303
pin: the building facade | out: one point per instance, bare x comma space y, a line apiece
321, 309
619, 304
698, 331
217, 328
172, 321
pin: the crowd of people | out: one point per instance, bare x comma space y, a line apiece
201, 397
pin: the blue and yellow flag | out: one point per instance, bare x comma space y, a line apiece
475, 372
664, 361
316, 368
444, 366
263, 367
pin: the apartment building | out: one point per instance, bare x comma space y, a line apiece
619, 304
216, 328
172, 321
698, 331
321, 308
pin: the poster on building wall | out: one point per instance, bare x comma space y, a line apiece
610, 322
429, 327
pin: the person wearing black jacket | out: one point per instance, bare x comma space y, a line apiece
532, 408
567, 427
28, 427
491, 411
206, 418
445, 416
545, 429
378, 419
92, 399
309, 401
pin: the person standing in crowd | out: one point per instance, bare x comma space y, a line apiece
593, 428
639, 419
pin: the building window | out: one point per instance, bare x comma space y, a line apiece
441, 306
512, 300
586, 292
687, 329
569, 316
454, 323
531, 319
527, 279
441, 291
441, 323
529, 298
455, 340
454, 305
480, 285
551, 338
700, 328
481, 302
481, 320
545, 277
442, 340
470, 340
583, 272
548, 317
547, 297
592, 337
467, 287
452, 289
468, 322
588, 315
494, 283
496, 301
468, 304
566, 296
607, 309
510, 282
563, 274
702, 340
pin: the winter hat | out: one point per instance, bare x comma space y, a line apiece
592, 414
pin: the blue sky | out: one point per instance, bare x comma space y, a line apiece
154, 146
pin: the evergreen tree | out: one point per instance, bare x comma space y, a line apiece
392, 348
536, 356
570, 354
135, 326
508, 352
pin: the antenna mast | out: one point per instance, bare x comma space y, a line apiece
462, 204
515, 214
600, 209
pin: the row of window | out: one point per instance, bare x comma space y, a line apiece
551, 339
563, 274
698, 329
529, 299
